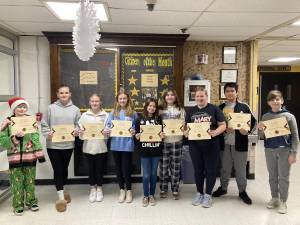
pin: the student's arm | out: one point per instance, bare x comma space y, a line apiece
5, 139
37, 147
45, 128
260, 131
253, 120
221, 123
294, 134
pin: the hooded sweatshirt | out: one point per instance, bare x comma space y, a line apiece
60, 114
291, 141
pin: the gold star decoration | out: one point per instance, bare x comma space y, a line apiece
136, 103
165, 80
132, 80
134, 92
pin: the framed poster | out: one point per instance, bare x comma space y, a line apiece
228, 75
190, 88
221, 92
229, 55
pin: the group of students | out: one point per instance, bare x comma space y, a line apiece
228, 146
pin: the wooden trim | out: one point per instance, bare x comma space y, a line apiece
54, 70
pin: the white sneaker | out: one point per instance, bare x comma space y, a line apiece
99, 197
207, 201
128, 196
198, 199
93, 195
122, 196
282, 208
273, 203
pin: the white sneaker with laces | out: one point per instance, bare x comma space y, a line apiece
93, 195
198, 199
99, 196
122, 196
129, 196
282, 207
273, 203
207, 201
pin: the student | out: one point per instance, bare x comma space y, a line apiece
23, 150
172, 146
234, 146
61, 112
280, 152
95, 151
150, 152
205, 153
122, 147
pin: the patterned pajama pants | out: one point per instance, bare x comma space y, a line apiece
170, 165
22, 186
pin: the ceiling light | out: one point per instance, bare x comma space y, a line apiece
297, 23
284, 59
67, 10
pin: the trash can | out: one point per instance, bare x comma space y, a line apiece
187, 169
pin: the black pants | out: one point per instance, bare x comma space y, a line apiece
60, 159
123, 161
96, 164
205, 159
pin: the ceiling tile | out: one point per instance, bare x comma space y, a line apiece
284, 32
144, 17
140, 29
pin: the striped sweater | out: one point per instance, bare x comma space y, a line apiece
24, 153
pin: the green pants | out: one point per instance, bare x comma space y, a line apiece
22, 186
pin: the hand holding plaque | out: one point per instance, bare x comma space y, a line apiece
199, 131
92, 131
276, 127
63, 133
173, 127
25, 124
239, 121
150, 133
121, 128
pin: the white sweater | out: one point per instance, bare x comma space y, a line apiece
93, 147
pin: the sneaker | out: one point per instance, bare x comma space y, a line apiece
207, 201
163, 194
245, 198
34, 207
93, 195
219, 192
145, 201
176, 195
99, 196
282, 207
128, 196
19, 212
198, 199
122, 196
273, 203
152, 200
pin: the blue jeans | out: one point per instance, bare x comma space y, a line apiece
149, 165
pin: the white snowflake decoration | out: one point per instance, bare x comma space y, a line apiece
85, 31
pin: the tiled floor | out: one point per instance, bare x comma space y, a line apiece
228, 210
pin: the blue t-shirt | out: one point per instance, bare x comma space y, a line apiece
125, 144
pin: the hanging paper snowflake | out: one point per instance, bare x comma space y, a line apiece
85, 31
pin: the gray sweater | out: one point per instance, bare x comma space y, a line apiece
292, 139
60, 114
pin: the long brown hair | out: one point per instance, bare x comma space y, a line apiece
129, 111
145, 111
164, 104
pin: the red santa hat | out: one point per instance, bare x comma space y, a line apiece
14, 102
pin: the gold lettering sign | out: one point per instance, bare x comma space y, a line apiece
131, 61
165, 62
148, 61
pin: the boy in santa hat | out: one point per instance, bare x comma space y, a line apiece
23, 150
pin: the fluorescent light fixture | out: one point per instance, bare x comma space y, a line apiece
67, 10
284, 59
297, 23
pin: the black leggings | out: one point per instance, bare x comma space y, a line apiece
96, 164
123, 161
205, 159
60, 159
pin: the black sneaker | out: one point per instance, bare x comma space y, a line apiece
34, 207
245, 198
219, 192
